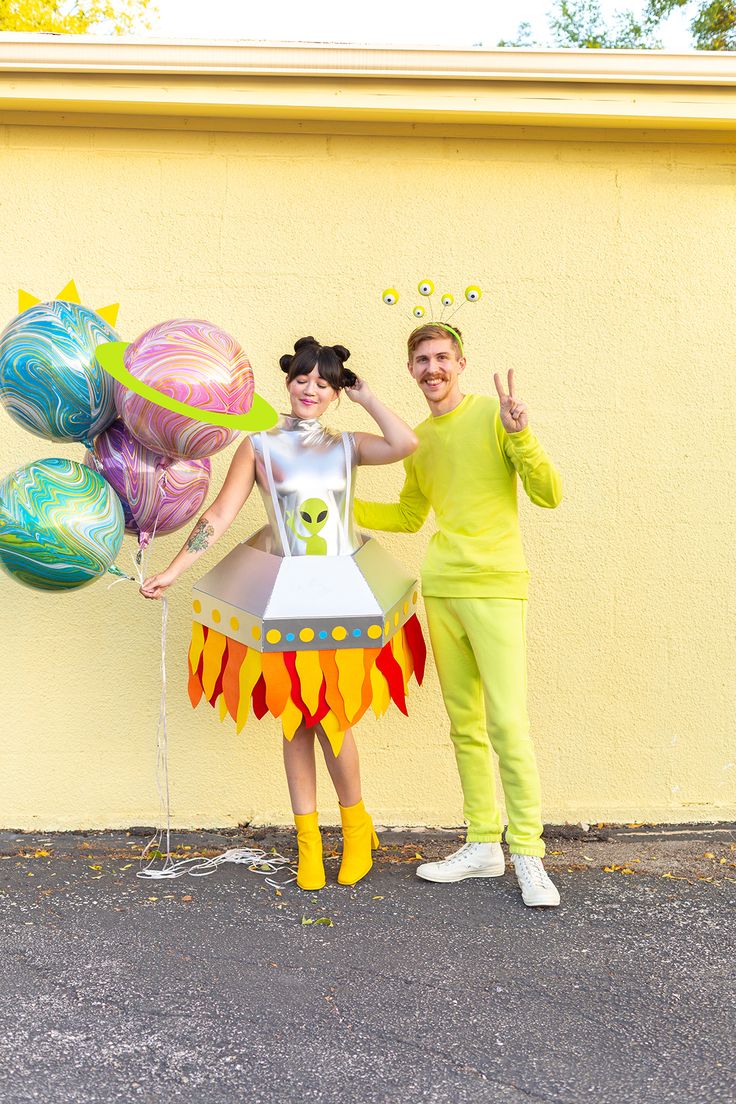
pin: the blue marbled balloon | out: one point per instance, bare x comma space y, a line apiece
61, 525
50, 381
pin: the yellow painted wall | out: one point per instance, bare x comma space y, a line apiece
609, 278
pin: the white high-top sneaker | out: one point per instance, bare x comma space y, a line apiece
473, 860
536, 887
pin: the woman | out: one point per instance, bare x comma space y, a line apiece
305, 474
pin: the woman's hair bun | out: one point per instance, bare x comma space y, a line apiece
304, 343
286, 360
341, 352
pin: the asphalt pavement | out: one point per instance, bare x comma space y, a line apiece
228, 989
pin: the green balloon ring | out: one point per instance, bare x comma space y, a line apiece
260, 416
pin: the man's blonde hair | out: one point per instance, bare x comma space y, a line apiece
432, 330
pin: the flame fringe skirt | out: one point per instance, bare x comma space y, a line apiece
332, 688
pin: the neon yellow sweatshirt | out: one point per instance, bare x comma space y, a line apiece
465, 469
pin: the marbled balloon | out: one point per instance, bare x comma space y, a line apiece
194, 362
158, 494
50, 381
61, 525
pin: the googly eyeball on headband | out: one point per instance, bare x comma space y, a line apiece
418, 312
447, 299
473, 293
390, 297
426, 287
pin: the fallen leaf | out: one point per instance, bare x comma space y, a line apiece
187, 897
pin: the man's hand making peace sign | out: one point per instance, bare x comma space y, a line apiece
514, 415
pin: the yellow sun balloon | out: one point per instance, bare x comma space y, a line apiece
68, 294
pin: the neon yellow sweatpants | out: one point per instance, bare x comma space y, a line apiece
479, 647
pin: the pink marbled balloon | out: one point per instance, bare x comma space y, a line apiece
194, 362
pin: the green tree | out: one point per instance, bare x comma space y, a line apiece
714, 27
73, 16
580, 24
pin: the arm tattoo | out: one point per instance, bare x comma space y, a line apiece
199, 538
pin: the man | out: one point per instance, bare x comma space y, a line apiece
475, 582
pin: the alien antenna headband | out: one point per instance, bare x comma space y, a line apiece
426, 288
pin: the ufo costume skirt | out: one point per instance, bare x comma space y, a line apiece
306, 620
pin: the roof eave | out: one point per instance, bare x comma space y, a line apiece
146, 77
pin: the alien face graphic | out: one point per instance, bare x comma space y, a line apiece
313, 514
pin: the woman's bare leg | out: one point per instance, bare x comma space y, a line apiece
344, 769
301, 773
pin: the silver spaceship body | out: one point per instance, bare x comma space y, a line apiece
307, 580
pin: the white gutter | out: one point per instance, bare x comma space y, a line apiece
42, 53
79, 80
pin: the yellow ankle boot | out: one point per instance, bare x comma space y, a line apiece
311, 870
358, 839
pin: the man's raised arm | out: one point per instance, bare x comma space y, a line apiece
538, 475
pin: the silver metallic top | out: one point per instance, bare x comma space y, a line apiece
305, 475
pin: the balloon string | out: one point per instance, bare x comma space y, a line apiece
140, 565
121, 579
197, 865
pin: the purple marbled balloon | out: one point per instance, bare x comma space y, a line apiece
194, 362
158, 493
